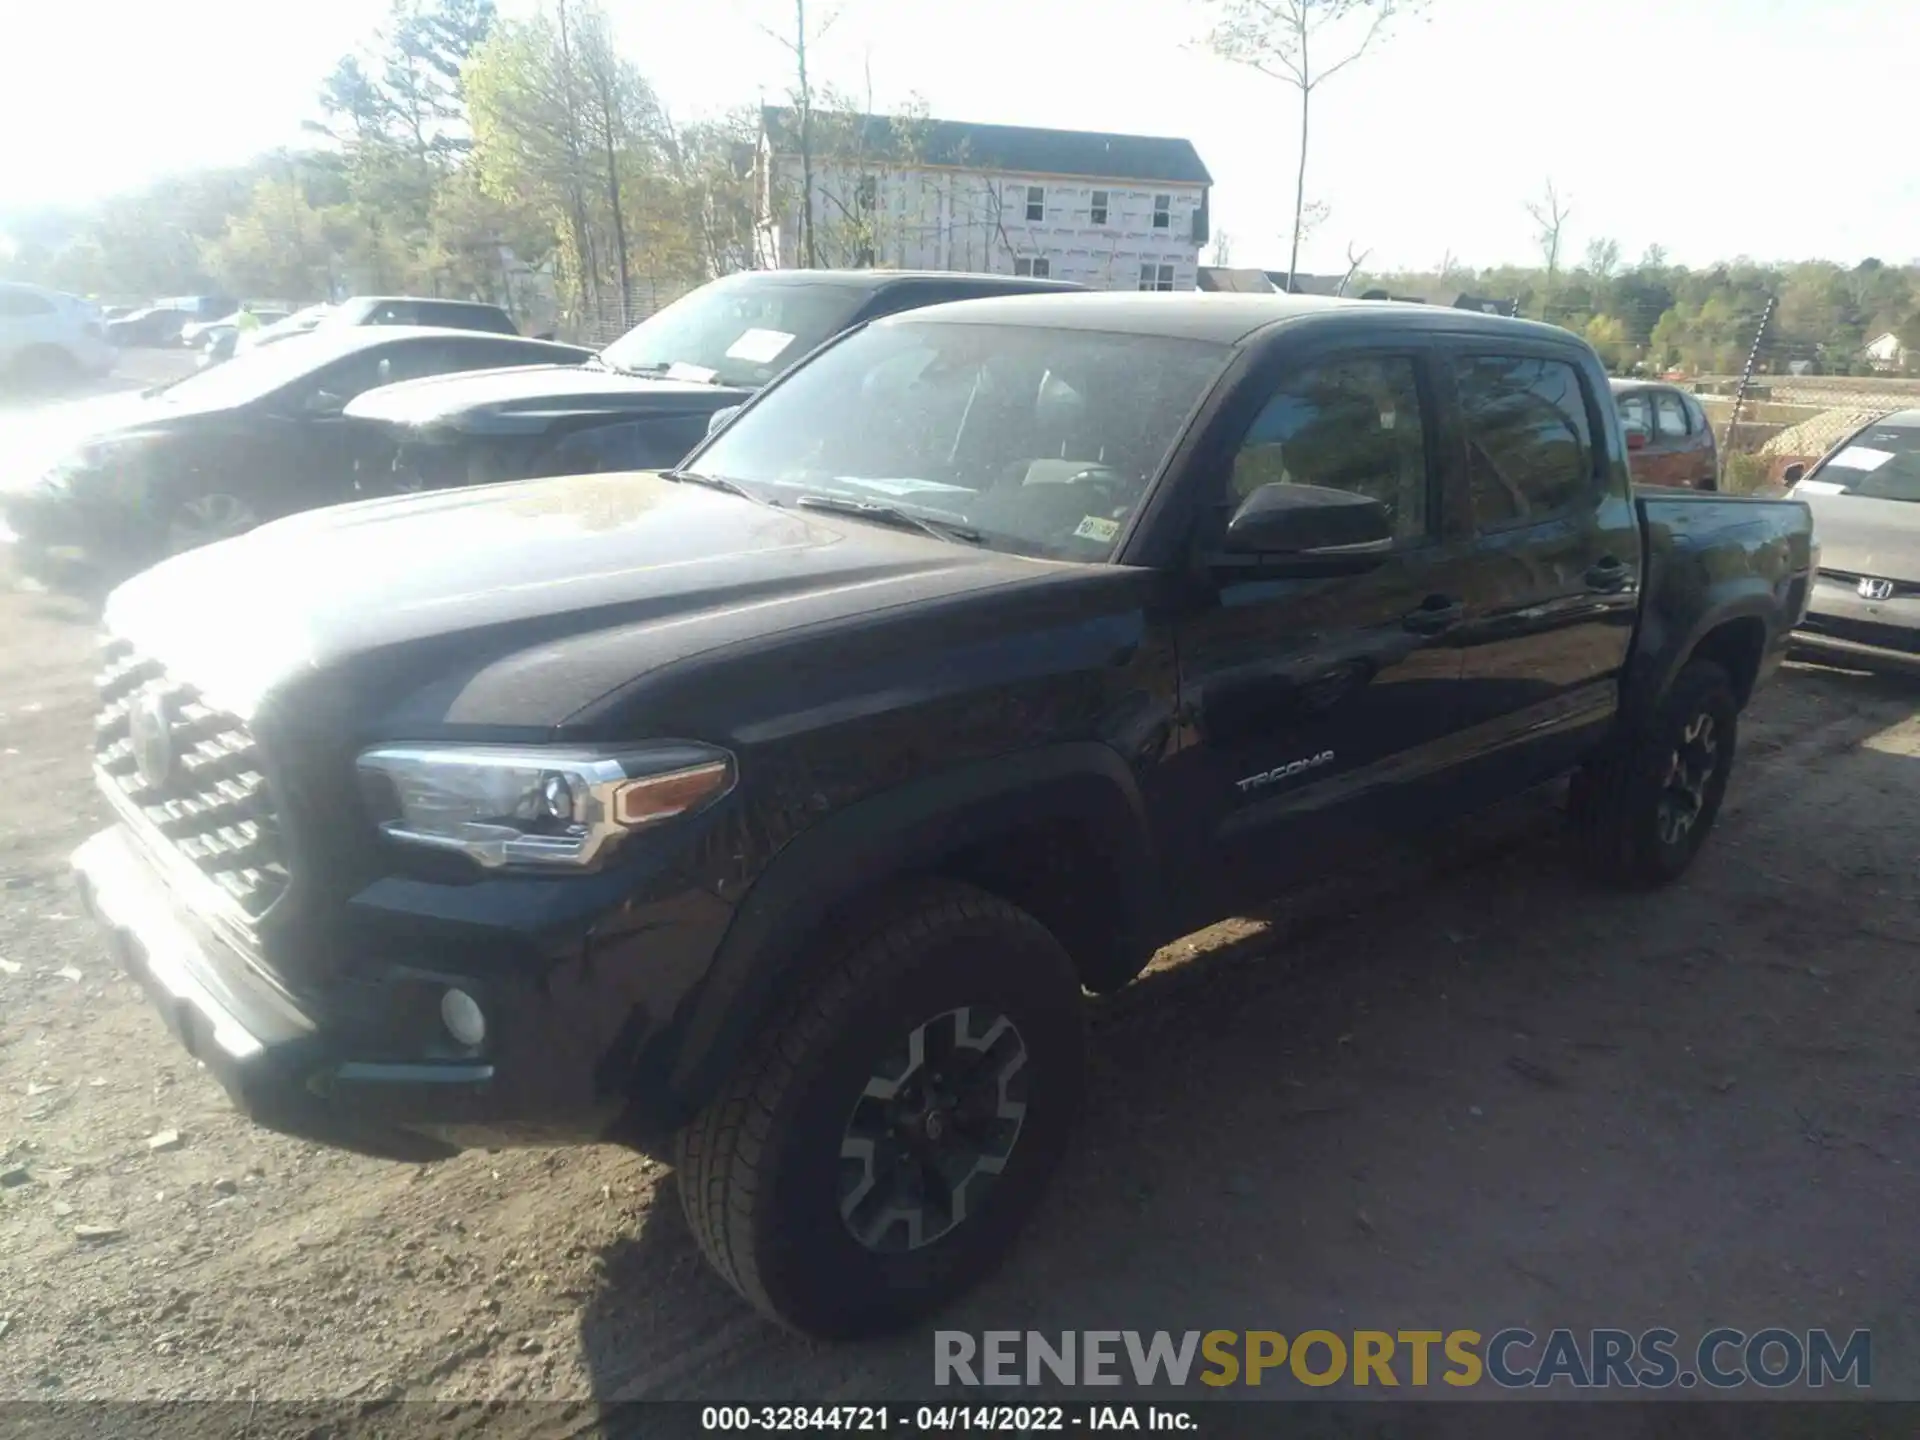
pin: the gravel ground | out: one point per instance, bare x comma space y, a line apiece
1463, 1088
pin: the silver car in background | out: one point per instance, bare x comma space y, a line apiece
1865, 498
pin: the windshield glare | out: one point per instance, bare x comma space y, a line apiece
743, 330
1041, 440
1880, 463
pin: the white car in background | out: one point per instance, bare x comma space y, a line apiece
48, 337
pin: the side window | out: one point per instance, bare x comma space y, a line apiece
1670, 415
1636, 414
1529, 447
1347, 424
355, 375
1036, 203
392, 313
17, 304
1098, 213
1162, 211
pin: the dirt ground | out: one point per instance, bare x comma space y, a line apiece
1463, 1088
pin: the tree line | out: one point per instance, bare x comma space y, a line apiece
454, 154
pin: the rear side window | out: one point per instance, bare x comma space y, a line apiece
1529, 445
1635, 413
1671, 415
17, 304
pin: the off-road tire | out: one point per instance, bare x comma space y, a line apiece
760, 1168
1615, 801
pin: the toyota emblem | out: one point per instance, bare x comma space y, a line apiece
1871, 589
150, 726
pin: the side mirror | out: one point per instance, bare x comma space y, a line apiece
720, 418
1637, 438
1793, 474
1309, 521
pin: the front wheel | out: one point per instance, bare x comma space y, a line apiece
1645, 809
880, 1147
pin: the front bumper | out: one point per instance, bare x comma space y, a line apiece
1842, 624
304, 1068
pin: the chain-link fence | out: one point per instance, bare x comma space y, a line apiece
606, 318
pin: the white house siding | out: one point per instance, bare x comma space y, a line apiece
946, 219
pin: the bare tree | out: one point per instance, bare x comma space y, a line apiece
1603, 258
1550, 214
1354, 262
1288, 40
796, 44
1222, 249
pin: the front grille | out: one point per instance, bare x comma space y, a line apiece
206, 795
1864, 632
1851, 578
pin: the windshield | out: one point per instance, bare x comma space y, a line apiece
257, 373
1880, 463
742, 330
1042, 441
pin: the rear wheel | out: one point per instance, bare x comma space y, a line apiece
1645, 809
882, 1144
44, 367
202, 519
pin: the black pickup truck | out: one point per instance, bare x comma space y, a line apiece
774, 812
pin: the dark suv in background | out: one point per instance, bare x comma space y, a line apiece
652, 394
415, 310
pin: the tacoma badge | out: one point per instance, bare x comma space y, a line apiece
1284, 772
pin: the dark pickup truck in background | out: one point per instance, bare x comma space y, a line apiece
775, 811
649, 398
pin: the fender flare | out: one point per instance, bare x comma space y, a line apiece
1664, 662
888, 837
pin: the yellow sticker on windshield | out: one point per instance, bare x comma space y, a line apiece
1094, 528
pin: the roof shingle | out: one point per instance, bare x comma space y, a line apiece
1023, 149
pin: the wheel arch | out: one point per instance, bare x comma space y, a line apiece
1060, 831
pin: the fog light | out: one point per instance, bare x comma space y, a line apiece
462, 1015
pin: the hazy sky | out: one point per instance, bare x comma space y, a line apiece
1771, 128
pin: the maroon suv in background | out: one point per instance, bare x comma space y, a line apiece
1669, 441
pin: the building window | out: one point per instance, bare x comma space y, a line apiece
1156, 277
1162, 211
867, 194
1036, 202
1038, 266
1099, 207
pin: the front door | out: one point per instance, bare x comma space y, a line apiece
1316, 704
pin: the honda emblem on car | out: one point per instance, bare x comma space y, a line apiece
150, 727
1872, 589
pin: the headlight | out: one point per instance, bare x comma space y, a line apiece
535, 805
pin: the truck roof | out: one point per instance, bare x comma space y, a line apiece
1224, 318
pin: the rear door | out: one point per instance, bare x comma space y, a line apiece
1553, 590
1317, 705
1676, 441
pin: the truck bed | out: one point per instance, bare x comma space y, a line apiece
1718, 555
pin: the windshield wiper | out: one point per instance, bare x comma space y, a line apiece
712, 482
890, 515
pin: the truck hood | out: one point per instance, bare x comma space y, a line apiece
478, 599
1864, 536
530, 399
